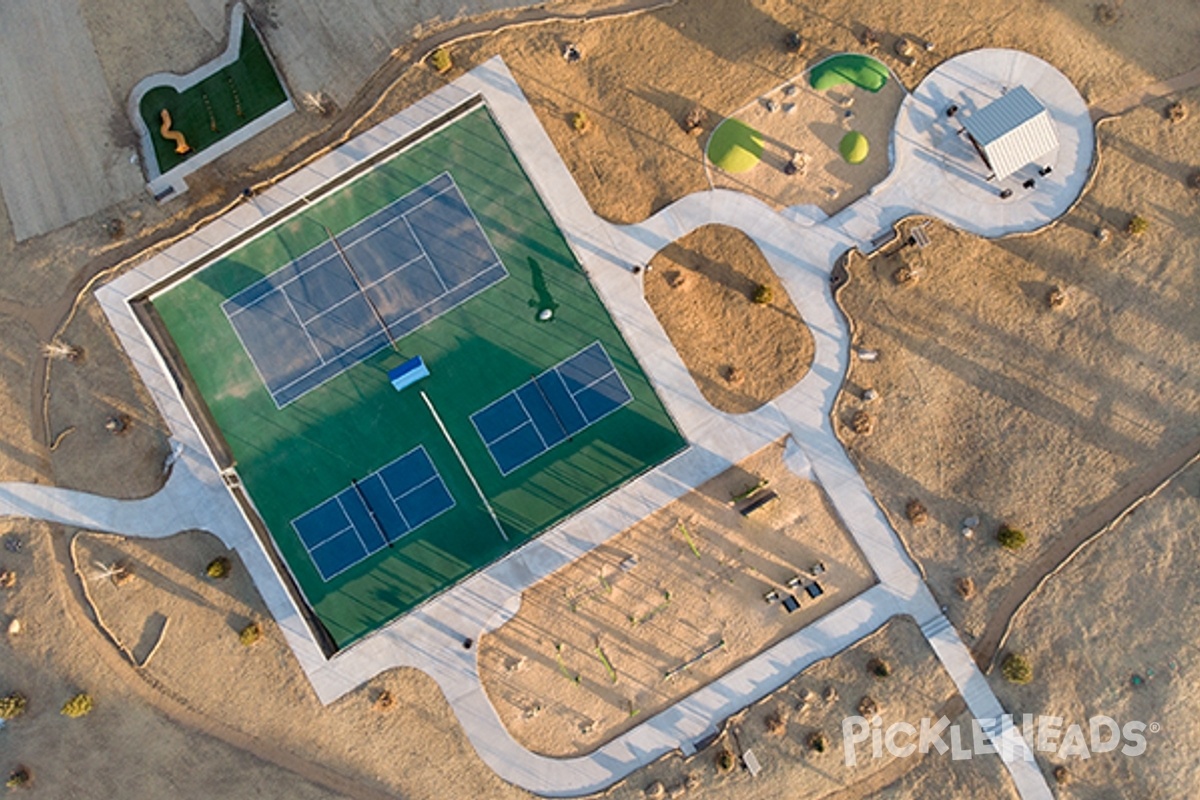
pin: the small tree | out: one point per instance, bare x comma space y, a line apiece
440, 60
78, 706
12, 705
250, 634
1016, 668
1137, 225
219, 568
879, 668
1011, 538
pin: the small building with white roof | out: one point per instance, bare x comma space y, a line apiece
1011, 132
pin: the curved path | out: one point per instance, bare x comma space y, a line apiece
930, 176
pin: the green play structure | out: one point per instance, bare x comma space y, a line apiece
854, 147
735, 146
849, 69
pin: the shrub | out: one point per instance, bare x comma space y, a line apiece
879, 668
250, 634
965, 587
1016, 668
18, 777
384, 701
219, 568
916, 512
776, 723
440, 60
818, 742
581, 122
1011, 538
725, 761
12, 705
763, 294
78, 706
1137, 225
861, 423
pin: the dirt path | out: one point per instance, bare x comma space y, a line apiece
1101, 519
1116, 106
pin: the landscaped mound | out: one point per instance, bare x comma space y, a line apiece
854, 147
849, 69
735, 146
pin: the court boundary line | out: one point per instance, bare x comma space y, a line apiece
337, 496
529, 418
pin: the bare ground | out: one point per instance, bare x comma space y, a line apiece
741, 354
1117, 611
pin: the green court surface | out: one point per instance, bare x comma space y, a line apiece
231, 97
849, 69
293, 458
735, 146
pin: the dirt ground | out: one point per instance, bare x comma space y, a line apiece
995, 406
1115, 612
741, 354
798, 122
543, 669
777, 731
1033, 422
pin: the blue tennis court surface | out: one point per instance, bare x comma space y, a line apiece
372, 513
551, 408
415, 259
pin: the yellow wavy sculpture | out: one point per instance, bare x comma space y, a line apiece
181, 145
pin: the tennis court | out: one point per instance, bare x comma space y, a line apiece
550, 408
373, 513
376, 499
374, 282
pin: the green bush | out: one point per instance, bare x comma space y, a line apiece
440, 60
1011, 538
1016, 668
219, 568
763, 294
78, 706
725, 761
12, 705
1137, 225
580, 121
18, 778
250, 634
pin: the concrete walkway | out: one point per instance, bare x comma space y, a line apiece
802, 252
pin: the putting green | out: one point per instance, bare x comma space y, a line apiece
735, 146
851, 69
854, 147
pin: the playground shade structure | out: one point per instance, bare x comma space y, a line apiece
735, 146
849, 69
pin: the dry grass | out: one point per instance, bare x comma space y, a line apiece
598, 647
741, 353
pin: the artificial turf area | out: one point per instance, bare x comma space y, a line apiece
849, 69
735, 146
294, 458
216, 106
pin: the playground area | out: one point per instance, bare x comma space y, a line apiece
819, 139
186, 115
437, 272
669, 605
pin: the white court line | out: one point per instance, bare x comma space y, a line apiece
436, 272
524, 408
304, 328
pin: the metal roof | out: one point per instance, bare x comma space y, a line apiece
1014, 130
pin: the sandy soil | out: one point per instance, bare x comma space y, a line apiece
741, 354
125, 746
543, 669
916, 688
1100, 622
1066, 420
994, 405
798, 122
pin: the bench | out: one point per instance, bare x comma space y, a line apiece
757, 502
